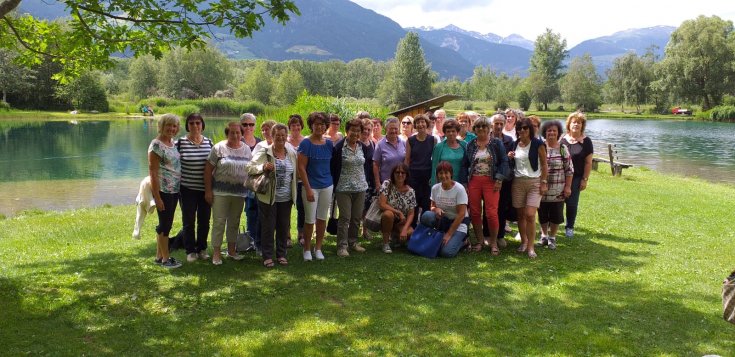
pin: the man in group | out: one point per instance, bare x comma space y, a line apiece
505, 209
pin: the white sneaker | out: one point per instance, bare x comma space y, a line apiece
318, 255
192, 257
237, 256
386, 249
358, 248
307, 255
342, 252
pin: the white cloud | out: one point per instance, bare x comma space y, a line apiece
576, 21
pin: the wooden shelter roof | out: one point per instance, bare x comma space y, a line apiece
420, 108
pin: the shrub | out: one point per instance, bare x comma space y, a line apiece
468, 106
723, 113
502, 104
4, 105
524, 100
182, 110
701, 115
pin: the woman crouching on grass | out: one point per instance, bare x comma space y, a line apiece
397, 200
448, 211
164, 168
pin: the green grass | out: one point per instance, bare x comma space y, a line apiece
642, 277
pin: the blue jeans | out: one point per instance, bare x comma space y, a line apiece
455, 243
251, 212
573, 201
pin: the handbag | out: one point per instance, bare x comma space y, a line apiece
728, 298
259, 182
373, 215
332, 223
425, 241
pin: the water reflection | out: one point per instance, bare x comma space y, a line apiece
62, 165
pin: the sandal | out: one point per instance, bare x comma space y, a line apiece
268, 263
477, 247
495, 251
283, 261
532, 254
522, 248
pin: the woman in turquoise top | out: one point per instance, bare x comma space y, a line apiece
452, 151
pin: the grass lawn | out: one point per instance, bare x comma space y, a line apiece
641, 278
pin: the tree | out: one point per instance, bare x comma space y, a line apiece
13, 77
289, 86
524, 100
194, 74
547, 62
258, 84
698, 60
409, 79
582, 85
629, 79
98, 29
143, 73
482, 84
85, 92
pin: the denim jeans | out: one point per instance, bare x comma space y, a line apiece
455, 243
251, 213
195, 211
573, 201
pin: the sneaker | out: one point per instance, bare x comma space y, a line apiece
544, 241
518, 236
192, 257
258, 252
502, 243
358, 248
318, 255
386, 249
203, 255
307, 255
158, 261
342, 252
552, 243
237, 256
507, 228
171, 263
216, 261
569, 232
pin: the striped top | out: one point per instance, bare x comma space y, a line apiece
193, 159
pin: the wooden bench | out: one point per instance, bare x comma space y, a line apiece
616, 167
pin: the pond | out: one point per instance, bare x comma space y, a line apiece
64, 165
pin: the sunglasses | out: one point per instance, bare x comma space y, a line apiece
400, 172
524, 128
481, 126
406, 123
248, 124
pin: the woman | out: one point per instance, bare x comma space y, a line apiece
505, 203
465, 123
581, 150
406, 128
247, 121
368, 149
488, 167
295, 125
511, 116
194, 149
448, 211
274, 206
550, 213
350, 184
397, 200
265, 130
389, 152
315, 154
377, 130
438, 129
529, 182
536, 122
224, 189
452, 151
333, 130
418, 158
164, 168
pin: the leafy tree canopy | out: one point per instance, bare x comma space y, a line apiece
97, 29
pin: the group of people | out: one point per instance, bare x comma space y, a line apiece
447, 173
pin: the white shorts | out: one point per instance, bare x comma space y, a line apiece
319, 209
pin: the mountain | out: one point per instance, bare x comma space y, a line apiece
605, 49
480, 52
513, 39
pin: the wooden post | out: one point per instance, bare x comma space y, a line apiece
610, 153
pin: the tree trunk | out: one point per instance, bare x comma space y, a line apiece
7, 6
5, 96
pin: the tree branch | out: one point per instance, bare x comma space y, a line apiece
7, 6
138, 21
25, 44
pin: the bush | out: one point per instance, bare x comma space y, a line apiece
524, 100
4, 105
224, 106
502, 104
701, 115
469, 106
181, 110
723, 113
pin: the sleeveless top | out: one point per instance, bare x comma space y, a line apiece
421, 152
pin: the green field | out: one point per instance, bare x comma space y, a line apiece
641, 278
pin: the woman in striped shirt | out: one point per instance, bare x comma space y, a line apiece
194, 149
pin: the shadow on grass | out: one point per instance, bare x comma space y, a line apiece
566, 302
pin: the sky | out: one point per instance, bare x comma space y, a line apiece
576, 21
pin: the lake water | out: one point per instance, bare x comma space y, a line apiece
64, 165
